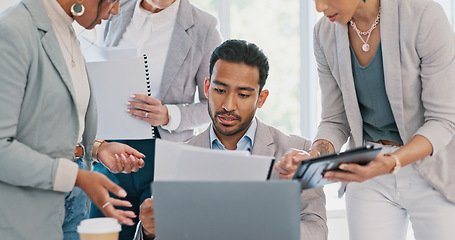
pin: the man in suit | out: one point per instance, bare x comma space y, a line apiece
238, 71
178, 39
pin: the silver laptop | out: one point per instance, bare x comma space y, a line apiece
227, 210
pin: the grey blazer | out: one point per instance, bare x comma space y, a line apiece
38, 123
270, 141
418, 48
194, 38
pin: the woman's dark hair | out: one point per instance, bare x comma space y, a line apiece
241, 51
98, 11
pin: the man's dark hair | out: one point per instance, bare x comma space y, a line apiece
241, 51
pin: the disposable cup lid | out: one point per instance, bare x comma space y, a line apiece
99, 225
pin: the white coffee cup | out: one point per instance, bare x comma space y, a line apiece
99, 229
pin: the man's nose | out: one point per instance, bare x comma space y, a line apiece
229, 103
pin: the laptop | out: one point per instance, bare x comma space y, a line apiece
226, 210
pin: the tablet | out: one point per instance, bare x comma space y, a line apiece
310, 172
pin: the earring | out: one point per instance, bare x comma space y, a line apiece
78, 9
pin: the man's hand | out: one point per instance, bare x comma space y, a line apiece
287, 165
118, 157
147, 218
148, 109
97, 187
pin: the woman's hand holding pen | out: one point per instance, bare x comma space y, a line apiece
118, 157
148, 109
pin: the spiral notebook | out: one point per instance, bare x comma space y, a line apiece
113, 82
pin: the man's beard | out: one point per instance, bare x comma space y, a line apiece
243, 125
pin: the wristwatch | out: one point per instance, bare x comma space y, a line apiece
96, 145
397, 167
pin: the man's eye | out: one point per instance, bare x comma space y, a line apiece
243, 95
219, 90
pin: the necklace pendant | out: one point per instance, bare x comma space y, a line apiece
366, 47
73, 63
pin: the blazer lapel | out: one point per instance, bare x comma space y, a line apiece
392, 62
50, 42
263, 141
179, 46
346, 82
203, 139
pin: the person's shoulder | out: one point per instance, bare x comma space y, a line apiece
14, 15
201, 139
289, 140
195, 140
202, 17
323, 28
415, 7
16, 22
413, 3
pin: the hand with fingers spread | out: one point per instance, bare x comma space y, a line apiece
97, 187
148, 109
352, 172
146, 215
118, 157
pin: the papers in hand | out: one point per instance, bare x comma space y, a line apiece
178, 161
115, 74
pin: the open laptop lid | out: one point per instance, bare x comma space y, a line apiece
227, 210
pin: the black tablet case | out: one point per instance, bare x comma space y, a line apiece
310, 172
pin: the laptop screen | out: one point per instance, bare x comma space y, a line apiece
227, 210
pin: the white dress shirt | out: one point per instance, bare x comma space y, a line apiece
150, 33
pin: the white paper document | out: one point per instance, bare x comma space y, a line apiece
178, 161
93, 52
116, 74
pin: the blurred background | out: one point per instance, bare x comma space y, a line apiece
283, 29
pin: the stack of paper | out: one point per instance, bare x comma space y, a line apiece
178, 161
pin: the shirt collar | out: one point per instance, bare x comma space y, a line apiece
59, 18
244, 144
157, 20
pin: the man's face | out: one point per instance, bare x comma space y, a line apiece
233, 97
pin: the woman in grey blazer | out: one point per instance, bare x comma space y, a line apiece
387, 77
178, 39
47, 115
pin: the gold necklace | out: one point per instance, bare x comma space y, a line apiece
73, 63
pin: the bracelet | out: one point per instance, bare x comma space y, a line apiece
397, 167
96, 146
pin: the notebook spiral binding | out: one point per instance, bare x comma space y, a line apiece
147, 77
149, 88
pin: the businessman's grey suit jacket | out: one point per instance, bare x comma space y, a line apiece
194, 38
418, 48
270, 141
38, 123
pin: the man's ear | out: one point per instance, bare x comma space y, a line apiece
206, 87
262, 97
